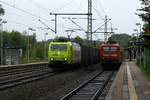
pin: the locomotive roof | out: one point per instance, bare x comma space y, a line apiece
56, 42
108, 44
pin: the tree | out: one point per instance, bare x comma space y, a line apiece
16, 39
122, 39
2, 11
145, 13
6, 39
40, 50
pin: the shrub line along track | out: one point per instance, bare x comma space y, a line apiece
91, 89
22, 78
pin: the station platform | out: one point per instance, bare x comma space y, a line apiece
129, 84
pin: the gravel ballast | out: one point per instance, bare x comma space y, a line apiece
51, 88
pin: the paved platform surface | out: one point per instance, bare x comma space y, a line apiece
130, 84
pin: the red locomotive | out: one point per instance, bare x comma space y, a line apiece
110, 55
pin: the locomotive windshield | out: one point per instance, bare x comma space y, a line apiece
110, 49
106, 49
113, 49
59, 47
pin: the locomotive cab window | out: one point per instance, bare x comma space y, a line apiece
113, 49
58, 47
110, 49
106, 49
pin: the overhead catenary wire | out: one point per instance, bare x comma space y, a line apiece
22, 10
98, 3
78, 7
19, 23
39, 6
100, 26
35, 16
25, 25
63, 6
99, 6
22, 24
16, 22
77, 25
98, 13
16, 14
46, 25
97, 10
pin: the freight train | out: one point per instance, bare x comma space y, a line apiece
110, 55
62, 54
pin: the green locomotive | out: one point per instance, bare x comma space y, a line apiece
64, 53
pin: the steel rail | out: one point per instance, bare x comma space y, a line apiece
91, 89
14, 72
25, 79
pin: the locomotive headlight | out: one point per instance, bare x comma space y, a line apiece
114, 55
52, 58
58, 53
65, 58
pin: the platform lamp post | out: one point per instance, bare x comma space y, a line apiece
137, 53
140, 27
28, 54
1, 31
136, 30
140, 32
45, 45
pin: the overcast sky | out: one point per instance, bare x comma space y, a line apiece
121, 13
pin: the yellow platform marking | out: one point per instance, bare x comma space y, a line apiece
115, 91
147, 92
132, 91
148, 84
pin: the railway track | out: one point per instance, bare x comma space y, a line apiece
18, 71
9, 80
8, 69
92, 89
107, 87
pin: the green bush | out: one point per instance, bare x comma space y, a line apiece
145, 69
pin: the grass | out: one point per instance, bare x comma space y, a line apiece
146, 70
